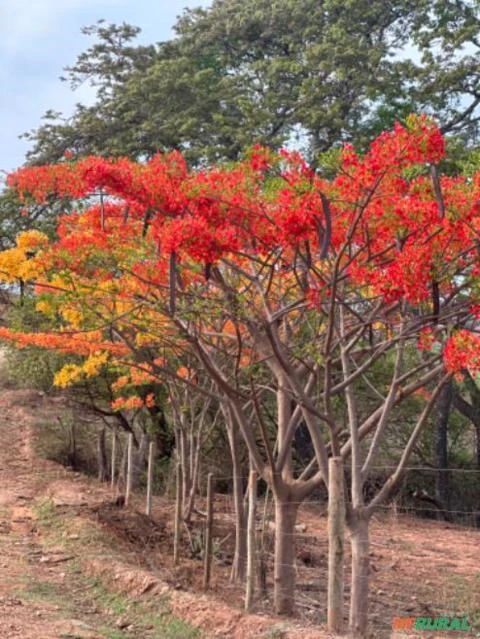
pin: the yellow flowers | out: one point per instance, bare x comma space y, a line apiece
73, 316
43, 307
19, 262
11, 262
144, 339
94, 363
72, 373
68, 375
59, 282
31, 240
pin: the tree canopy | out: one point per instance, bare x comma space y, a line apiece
314, 74
281, 285
285, 290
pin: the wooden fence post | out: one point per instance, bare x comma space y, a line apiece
128, 488
208, 534
178, 512
251, 554
336, 534
148, 508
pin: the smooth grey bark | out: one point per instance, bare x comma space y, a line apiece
358, 620
240, 556
284, 563
336, 538
444, 405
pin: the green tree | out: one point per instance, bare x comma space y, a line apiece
246, 71
13, 220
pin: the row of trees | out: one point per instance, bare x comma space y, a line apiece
279, 300
271, 298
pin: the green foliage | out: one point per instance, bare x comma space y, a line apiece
297, 71
31, 367
67, 441
13, 219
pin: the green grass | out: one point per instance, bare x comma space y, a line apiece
465, 591
45, 513
150, 619
38, 591
150, 616
112, 602
176, 629
154, 614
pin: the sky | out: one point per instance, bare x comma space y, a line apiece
40, 37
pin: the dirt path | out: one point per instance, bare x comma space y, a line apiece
45, 591
64, 576
73, 568
39, 597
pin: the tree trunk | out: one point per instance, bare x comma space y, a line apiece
471, 411
441, 446
195, 450
113, 464
477, 432
178, 512
251, 550
102, 456
122, 474
72, 448
240, 558
129, 476
208, 533
336, 535
164, 442
184, 454
359, 580
284, 566
151, 464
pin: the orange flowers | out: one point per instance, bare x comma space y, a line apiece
79, 344
133, 402
127, 403
249, 241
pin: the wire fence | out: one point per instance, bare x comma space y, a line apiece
418, 567
397, 543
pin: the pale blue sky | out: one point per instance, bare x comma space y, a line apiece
39, 37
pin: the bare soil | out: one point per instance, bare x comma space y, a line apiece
61, 535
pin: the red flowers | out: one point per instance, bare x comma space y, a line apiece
462, 352
373, 227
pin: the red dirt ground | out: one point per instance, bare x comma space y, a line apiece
419, 568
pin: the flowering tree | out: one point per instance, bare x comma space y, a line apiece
289, 290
